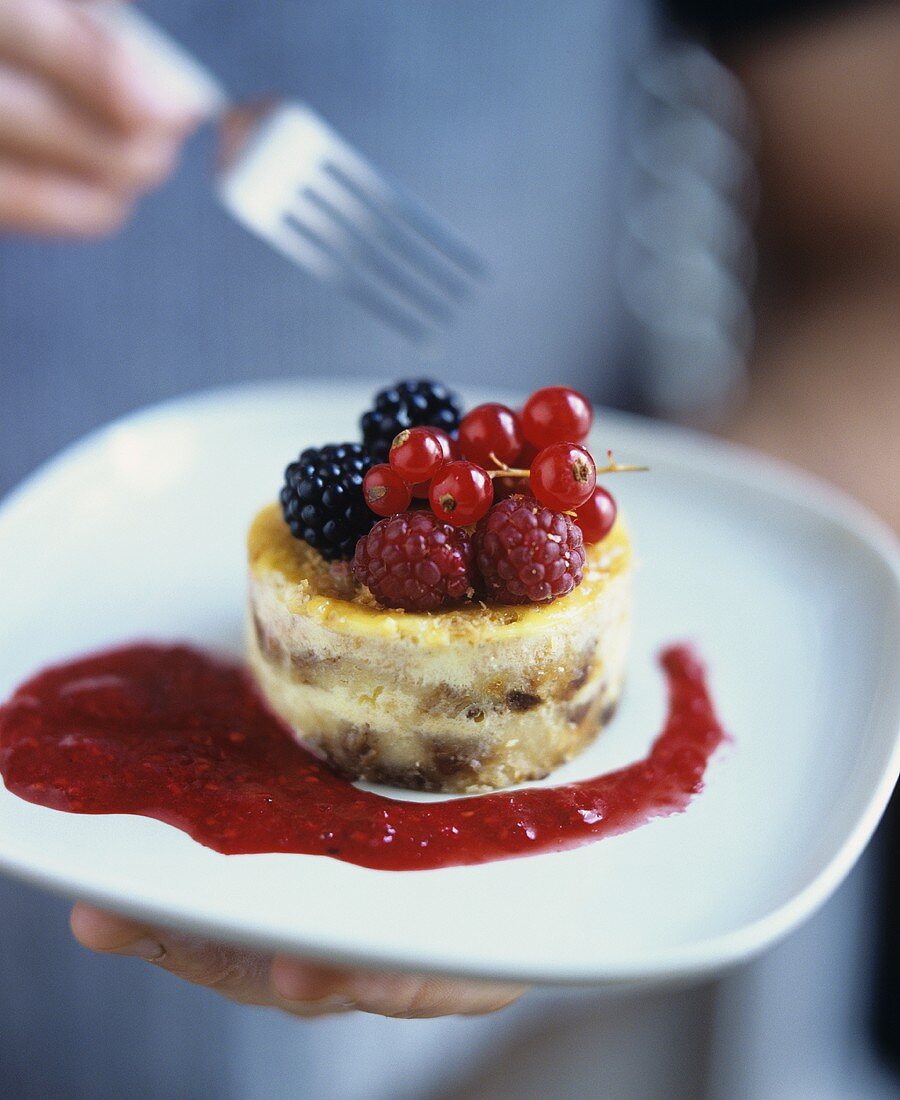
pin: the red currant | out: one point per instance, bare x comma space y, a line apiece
597, 515
490, 435
556, 414
416, 454
448, 445
461, 493
451, 452
385, 491
563, 476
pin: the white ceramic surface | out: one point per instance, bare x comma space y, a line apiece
790, 593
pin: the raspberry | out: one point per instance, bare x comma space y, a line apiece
414, 561
322, 498
527, 553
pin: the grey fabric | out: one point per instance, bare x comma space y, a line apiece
73, 1024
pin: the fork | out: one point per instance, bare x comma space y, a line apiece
294, 181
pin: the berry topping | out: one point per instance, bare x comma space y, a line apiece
386, 493
416, 562
430, 476
556, 414
527, 553
322, 498
416, 455
490, 435
563, 476
410, 404
597, 515
461, 493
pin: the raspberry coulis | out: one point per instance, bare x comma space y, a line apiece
178, 735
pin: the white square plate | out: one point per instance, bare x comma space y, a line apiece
790, 593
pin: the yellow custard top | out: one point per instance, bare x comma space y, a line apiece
327, 591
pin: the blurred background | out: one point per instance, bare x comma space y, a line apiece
690, 210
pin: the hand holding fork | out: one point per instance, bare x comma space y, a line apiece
94, 105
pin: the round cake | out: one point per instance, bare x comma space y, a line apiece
463, 699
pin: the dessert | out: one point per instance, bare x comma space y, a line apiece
456, 632
413, 630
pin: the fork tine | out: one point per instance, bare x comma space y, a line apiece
306, 246
299, 185
377, 191
410, 247
361, 249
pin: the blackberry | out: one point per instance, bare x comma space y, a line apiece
322, 498
412, 404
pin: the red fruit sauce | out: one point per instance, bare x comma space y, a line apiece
181, 736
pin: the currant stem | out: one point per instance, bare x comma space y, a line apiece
612, 468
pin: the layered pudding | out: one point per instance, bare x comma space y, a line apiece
471, 697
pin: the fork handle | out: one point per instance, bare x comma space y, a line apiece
189, 81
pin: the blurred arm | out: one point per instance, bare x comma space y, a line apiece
825, 381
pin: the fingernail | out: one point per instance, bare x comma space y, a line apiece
331, 1003
293, 986
146, 949
303, 986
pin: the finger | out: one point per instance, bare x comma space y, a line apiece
56, 41
302, 988
44, 202
107, 932
240, 975
404, 996
35, 125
